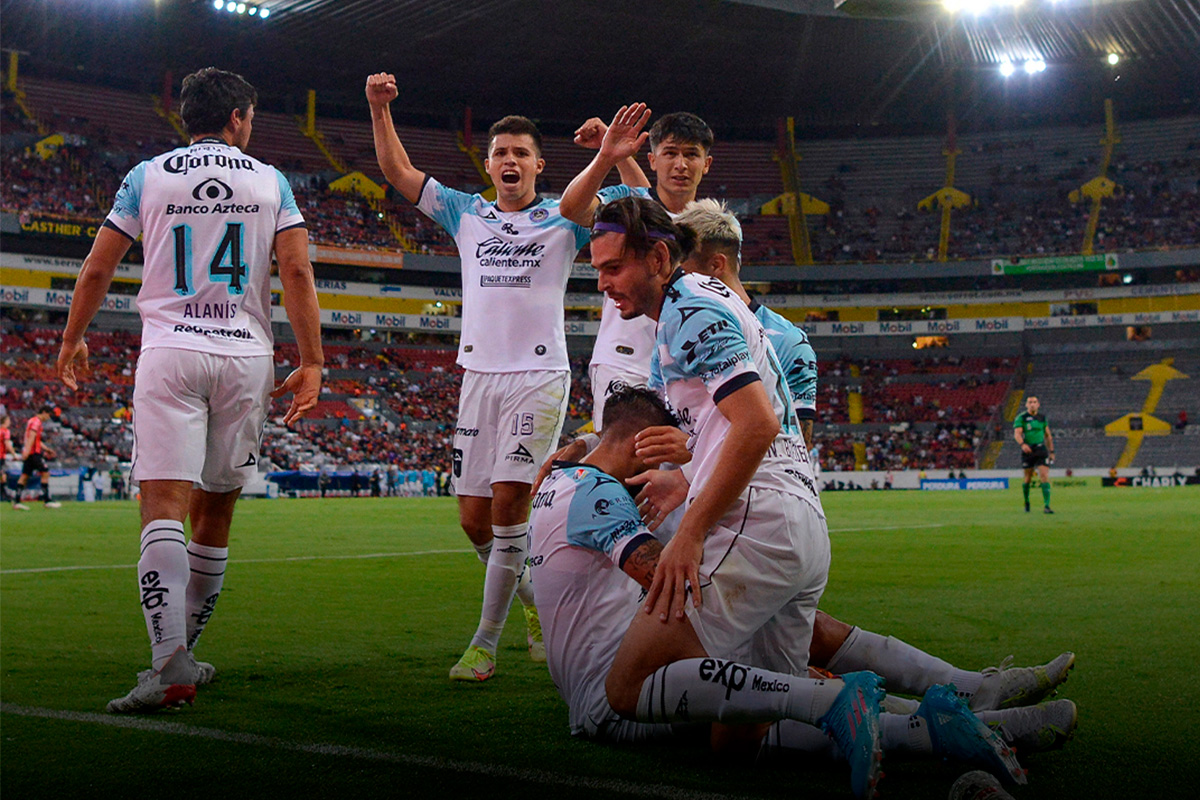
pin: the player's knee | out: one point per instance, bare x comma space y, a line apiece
828, 636
622, 693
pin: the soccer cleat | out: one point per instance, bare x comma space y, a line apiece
1008, 687
475, 665
957, 733
533, 635
1034, 729
53, 504
978, 785
206, 673
1047, 510
853, 722
20, 507
169, 687
1026, 506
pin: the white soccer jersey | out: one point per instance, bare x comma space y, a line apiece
515, 266
208, 215
625, 343
709, 345
582, 526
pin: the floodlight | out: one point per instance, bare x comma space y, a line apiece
266, 12
241, 8
1113, 59
218, 4
231, 6
1007, 68
1127, 278
253, 10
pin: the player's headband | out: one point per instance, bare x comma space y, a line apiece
616, 227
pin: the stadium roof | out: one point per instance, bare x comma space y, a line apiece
889, 64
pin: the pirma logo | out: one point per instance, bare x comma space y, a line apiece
520, 455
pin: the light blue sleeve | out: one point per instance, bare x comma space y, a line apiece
607, 195
289, 213
705, 340
602, 515
127, 205
444, 206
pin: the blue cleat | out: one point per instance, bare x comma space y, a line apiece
957, 733
853, 722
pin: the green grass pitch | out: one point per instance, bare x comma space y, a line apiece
340, 619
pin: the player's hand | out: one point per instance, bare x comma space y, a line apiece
591, 133
1026, 448
304, 384
70, 356
678, 568
48, 453
662, 492
661, 444
572, 451
381, 89
1050, 460
624, 136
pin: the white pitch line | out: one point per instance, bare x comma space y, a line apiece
239, 561
325, 749
888, 528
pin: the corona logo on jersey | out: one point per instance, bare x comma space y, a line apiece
185, 162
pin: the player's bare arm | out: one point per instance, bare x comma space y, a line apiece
620, 142
304, 314
95, 276
641, 563
393, 159
753, 427
1049, 443
1019, 435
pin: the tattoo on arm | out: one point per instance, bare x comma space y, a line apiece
642, 562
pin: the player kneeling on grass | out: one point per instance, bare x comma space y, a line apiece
588, 540
205, 375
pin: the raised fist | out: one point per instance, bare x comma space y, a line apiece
381, 88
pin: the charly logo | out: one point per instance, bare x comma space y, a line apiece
212, 189
538, 215
457, 458
154, 594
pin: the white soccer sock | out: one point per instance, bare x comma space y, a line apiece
204, 586
905, 669
483, 551
510, 544
712, 690
163, 579
904, 733
525, 587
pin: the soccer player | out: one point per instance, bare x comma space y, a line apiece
1032, 433
5, 454
34, 455
680, 144
210, 217
516, 258
587, 539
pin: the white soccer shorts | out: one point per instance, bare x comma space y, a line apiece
508, 425
199, 417
607, 379
763, 571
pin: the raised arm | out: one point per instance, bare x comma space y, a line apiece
619, 143
95, 276
393, 159
304, 314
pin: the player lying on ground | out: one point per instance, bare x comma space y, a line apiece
206, 370
587, 540
712, 238
516, 254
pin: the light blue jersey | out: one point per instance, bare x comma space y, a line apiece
795, 354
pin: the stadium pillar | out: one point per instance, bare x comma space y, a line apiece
1100, 186
10, 80
794, 205
310, 114
947, 198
